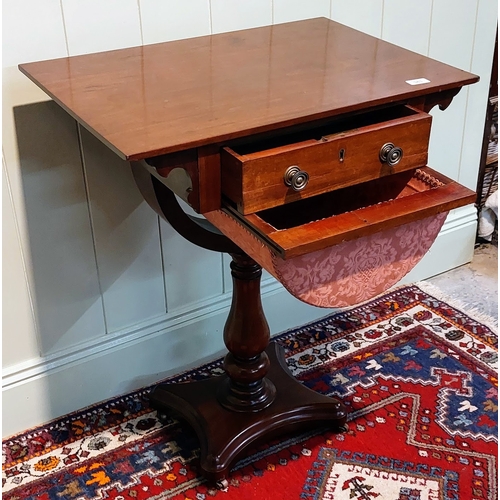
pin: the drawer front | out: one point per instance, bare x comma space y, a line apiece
258, 180
354, 212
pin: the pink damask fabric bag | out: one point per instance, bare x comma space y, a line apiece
345, 274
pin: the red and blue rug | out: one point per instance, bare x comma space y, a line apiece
417, 374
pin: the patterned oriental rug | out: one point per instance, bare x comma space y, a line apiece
417, 373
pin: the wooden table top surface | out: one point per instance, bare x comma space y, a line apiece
154, 99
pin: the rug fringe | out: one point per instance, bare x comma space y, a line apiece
471, 311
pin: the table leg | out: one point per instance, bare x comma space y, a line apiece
256, 397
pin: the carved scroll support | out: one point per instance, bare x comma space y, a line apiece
442, 99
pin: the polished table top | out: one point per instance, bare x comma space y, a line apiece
155, 99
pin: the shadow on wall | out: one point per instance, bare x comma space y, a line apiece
75, 254
94, 248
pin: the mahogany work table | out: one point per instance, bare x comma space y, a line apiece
294, 141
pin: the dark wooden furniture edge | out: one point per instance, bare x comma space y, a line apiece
424, 99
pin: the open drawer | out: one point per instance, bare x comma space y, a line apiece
347, 246
264, 174
346, 214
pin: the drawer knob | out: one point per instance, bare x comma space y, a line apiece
295, 178
390, 154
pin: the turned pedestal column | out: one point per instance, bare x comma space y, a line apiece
257, 397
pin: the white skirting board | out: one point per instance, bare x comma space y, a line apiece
41, 390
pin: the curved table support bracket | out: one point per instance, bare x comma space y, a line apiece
441, 99
163, 201
257, 397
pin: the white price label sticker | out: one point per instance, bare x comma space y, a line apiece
418, 81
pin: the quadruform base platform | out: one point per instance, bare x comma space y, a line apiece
224, 434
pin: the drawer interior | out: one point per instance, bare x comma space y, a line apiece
346, 214
339, 125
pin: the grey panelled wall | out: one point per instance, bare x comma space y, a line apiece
126, 239
453, 47
100, 297
59, 230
